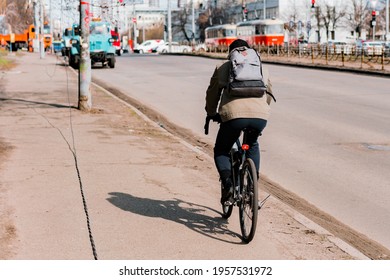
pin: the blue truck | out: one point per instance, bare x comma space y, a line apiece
101, 47
69, 34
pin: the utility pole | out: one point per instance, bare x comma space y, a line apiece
244, 11
36, 26
85, 99
169, 27
134, 27
373, 22
387, 21
51, 29
61, 16
193, 24
41, 33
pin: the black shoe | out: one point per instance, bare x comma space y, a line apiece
227, 190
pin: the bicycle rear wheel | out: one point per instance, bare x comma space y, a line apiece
249, 201
226, 209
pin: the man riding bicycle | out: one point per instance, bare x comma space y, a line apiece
234, 115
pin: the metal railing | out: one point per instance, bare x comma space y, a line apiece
344, 55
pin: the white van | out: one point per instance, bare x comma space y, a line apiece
148, 46
372, 48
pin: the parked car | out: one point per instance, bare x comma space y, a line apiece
304, 46
175, 48
337, 47
148, 46
358, 46
201, 48
372, 48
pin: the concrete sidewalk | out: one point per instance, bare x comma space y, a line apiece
110, 184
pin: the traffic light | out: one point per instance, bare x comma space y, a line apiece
312, 3
373, 15
244, 11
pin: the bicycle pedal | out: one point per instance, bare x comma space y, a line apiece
261, 203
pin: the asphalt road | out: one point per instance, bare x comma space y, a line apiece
327, 140
131, 192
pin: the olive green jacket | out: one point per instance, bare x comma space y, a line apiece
233, 107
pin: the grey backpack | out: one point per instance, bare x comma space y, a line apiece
246, 77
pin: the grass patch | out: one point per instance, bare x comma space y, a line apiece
6, 63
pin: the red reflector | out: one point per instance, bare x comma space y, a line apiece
245, 147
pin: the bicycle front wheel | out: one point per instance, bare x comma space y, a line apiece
249, 201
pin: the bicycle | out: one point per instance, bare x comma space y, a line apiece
245, 182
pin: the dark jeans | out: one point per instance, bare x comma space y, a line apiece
228, 133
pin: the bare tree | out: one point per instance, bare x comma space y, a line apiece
329, 15
154, 32
295, 11
219, 16
3, 23
180, 23
203, 23
213, 16
318, 17
357, 15
3, 5
338, 14
294, 18
19, 15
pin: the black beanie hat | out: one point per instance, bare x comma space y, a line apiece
238, 43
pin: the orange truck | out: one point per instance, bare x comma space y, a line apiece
25, 40
47, 37
19, 41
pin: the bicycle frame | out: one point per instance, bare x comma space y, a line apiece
237, 159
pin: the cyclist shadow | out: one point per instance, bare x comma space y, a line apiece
38, 103
188, 214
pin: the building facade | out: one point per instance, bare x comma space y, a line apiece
298, 15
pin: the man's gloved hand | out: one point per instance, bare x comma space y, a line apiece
216, 118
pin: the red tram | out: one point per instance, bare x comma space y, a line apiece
220, 36
268, 32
